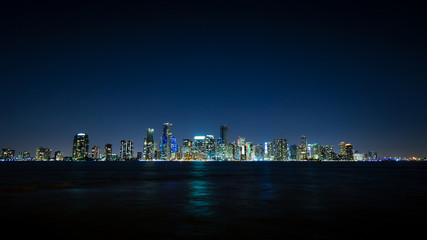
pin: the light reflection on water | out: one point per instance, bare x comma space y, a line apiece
201, 199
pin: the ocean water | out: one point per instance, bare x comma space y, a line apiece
213, 200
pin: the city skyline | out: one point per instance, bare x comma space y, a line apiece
329, 70
211, 148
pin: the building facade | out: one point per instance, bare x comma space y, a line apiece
80, 147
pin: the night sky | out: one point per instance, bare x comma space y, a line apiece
333, 71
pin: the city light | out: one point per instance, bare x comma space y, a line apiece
202, 148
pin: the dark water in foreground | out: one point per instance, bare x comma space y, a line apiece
213, 200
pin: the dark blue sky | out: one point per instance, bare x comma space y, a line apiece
332, 71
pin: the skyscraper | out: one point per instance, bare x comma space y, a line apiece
210, 146
329, 152
259, 152
166, 142
126, 149
186, 145
199, 147
241, 143
304, 141
293, 152
81, 146
223, 134
108, 152
349, 152
342, 148
174, 145
268, 151
250, 153
280, 149
149, 144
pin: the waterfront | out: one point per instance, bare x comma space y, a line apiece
169, 200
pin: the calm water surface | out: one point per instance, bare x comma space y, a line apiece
213, 200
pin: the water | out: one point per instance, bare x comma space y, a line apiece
213, 200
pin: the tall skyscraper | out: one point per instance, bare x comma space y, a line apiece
329, 152
199, 147
81, 146
259, 152
250, 153
268, 151
241, 143
210, 146
302, 153
304, 141
223, 134
316, 151
349, 152
108, 152
149, 144
186, 145
166, 142
174, 145
342, 148
293, 152
126, 149
43, 154
280, 149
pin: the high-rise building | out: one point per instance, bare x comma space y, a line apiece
302, 153
342, 148
280, 151
81, 146
310, 150
7, 153
241, 143
95, 152
293, 152
43, 154
149, 144
166, 141
329, 152
258, 152
108, 152
316, 151
174, 146
250, 153
210, 146
268, 151
186, 145
236, 151
199, 147
229, 151
223, 134
220, 150
304, 141
126, 149
349, 152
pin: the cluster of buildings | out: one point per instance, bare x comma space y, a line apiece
199, 148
